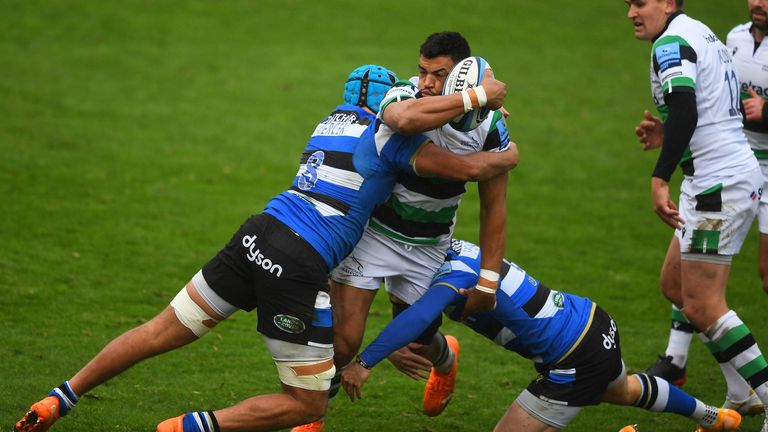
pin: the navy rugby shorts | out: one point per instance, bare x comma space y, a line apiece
581, 378
268, 267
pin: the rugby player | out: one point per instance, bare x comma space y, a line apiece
745, 42
406, 238
573, 343
278, 263
696, 89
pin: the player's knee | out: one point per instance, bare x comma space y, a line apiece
191, 315
312, 405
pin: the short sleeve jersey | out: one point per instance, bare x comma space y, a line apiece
422, 211
752, 68
344, 173
688, 57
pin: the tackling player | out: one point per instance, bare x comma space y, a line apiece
278, 263
695, 87
573, 343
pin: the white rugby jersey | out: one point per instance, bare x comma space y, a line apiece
752, 69
422, 211
688, 56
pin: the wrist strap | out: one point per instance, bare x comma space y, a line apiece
359, 360
482, 98
467, 101
485, 289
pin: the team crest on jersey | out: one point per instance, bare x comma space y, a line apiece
289, 323
557, 299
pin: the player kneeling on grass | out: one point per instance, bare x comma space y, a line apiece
573, 342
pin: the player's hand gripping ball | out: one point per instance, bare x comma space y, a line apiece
467, 74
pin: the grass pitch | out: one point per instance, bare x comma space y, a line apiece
136, 136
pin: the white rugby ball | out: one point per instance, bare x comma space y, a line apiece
466, 74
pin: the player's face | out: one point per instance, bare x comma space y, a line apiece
432, 74
758, 15
649, 17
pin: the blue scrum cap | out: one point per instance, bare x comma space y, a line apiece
367, 85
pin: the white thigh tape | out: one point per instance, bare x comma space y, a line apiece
308, 375
191, 315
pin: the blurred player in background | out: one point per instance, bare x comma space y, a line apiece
573, 343
406, 238
695, 87
278, 263
750, 56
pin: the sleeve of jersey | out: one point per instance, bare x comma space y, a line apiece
409, 324
498, 135
399, 152
674, 61
400, 91
678, 130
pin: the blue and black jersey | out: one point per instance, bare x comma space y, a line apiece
344, 173
530, 319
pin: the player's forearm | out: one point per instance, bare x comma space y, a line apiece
493, 221
435, 161
494, 164
678, 130
414, 116
408, 325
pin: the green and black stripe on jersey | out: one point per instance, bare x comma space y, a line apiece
411, 223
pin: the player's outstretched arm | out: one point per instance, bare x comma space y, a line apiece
493, 215
434, 161
412, 116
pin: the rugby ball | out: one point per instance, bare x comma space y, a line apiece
466, 74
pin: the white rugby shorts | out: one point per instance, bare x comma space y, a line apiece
406, 270
762, 209
718, 212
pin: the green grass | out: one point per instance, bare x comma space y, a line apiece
136, 136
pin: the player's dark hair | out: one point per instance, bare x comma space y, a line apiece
451, 44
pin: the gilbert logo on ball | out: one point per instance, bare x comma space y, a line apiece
467, 74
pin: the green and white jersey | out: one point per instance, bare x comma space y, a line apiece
422, 211
688, 57
752, 68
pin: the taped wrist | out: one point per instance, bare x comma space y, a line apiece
490, 276
485, 289
482, 98
467, 101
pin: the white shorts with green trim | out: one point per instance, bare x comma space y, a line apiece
406, 270
718, 212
